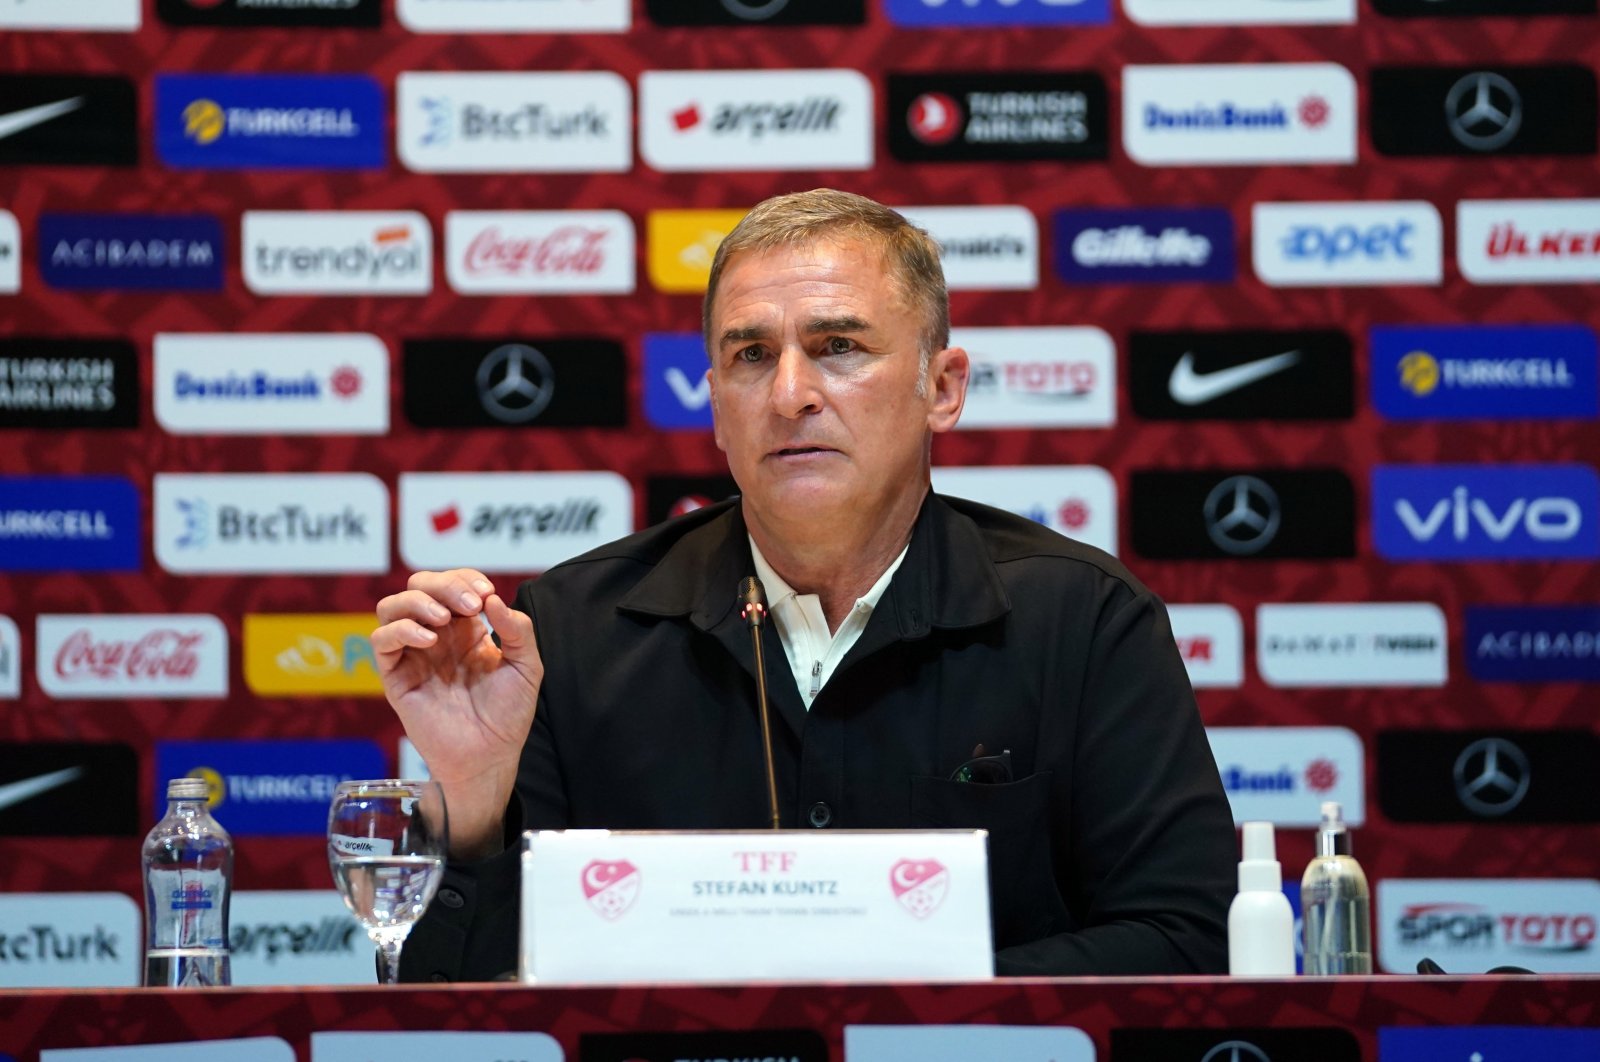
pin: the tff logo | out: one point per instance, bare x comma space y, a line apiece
919, 885
1466, 924
611, 886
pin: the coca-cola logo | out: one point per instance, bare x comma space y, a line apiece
570, 249
611, 886
920, 885
163, 653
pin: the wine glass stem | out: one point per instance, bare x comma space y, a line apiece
389, 948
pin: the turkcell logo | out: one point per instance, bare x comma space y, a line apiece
250, 121
676, 391
1470, 372
1559, 643
269, 787
1486, 512
1488, 1042
997, 12
1140, 246
138, 252
69, 523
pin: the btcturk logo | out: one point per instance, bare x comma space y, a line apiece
611, 886
920, 885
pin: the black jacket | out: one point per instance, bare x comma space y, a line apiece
1111, 851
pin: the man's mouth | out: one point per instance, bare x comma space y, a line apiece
796, 451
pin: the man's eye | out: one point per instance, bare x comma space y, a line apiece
841, 345
749, 355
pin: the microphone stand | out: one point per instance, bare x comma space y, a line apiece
753, 608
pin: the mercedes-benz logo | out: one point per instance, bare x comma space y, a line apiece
1484, 111
1492, 776
755, 10
1235, 1051
1242, 515
515, 383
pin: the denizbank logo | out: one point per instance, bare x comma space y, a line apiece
1078, 501
130, 252
1282, 774
310, 654
269, 787
1550, 643
1486, 512
278, 121
332, 252
1484, 372
69, 523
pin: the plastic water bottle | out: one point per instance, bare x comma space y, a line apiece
188, 876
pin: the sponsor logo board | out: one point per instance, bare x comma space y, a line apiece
755, 120
1543, 241
1250, 375
10, 254
432, 1046
1482, 110
1301, 1044
51, 120
274, 522
271, 384
555, 252
68, 789
1079, 501
1474, 8
1488, 776
998, 117
1243, 514
1491, 372
1210, 639
1039, 377
567, 122
264, 788
270, 121
680, 245
310, 654
536, 383
1243, 114
669, 496
985, 248
296, 937
791, 1045
10, 659
331, 252
1483, 1042
509, 521
1552, 643
130, 657
1485, 512
962, 1043
366, 13
1240, 12
756, 12
68, 383
69, 523
1470, 925
1282, 774
1132, 246
515, 16
130, 252
974, 13
249, 1049
677, 393
1365, 644
101, 15
68, 940
1323, 244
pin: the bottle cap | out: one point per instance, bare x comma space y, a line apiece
1333, 838
187, 789
1259, 870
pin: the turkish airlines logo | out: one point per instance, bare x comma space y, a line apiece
997, 117
935, 118
611, 887
793, 119
919, 885
132, 656
337, 252
568, 252
1549, 241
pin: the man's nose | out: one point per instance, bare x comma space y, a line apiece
796, 384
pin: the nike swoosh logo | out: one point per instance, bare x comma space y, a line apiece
16, 792
1192, 388
17, 121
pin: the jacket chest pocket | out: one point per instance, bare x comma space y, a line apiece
1024, 901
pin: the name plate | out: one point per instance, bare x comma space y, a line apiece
606, 907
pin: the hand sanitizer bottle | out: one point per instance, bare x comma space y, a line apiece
1337, 905
1260, 922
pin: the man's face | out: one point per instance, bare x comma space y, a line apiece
814, 380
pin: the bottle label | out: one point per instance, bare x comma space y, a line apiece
345, 845
193, 896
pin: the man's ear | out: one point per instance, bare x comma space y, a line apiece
948, 372
716, 419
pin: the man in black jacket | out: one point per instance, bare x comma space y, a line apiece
921, 633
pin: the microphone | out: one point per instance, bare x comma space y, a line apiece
752, 601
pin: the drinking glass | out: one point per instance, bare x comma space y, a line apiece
387, 842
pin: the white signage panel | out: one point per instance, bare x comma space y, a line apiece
515, 16
337, 252
1240, 12
509, 521
276, 522
1038, 377
297, 937
982, 248
434, 1047
271, 384
1079, 501
10, 254
100, 15
1390, 644
539, 252
1537, 241
1211, 641
602, 907
1547, 925
1282, 774
1348, 243
249, 1049
69, 940
129, 657
967, 1043
10, 659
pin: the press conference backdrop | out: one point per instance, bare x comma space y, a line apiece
1292, 310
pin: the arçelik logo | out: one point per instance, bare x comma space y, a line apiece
920, 885
611, 886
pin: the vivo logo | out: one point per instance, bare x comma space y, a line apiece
1546, 519
1468, 512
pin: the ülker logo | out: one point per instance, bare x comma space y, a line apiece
1510, 241
919, 885
611, 887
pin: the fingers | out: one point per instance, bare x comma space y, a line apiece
461, 590
515, 629
392, 639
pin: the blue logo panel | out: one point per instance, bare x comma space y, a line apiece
1488, 1043
1467, 372
246, 121
1553, 644
131, 252
1485, 512
69, 523
997, 12
269, 787
676, 392
1144, 246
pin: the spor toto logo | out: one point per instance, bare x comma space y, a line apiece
934, 118
611, 886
